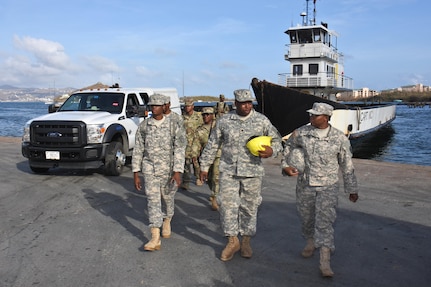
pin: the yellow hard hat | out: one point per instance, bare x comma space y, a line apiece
256, 144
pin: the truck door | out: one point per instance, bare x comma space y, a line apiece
132, 117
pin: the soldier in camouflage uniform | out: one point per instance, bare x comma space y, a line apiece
240, 171
221, 107
323, 151
159, 153
199, 142
192, 120
170, 114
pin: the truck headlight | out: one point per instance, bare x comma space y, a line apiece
26, 134
95, 133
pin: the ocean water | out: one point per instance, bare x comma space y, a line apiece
406, 140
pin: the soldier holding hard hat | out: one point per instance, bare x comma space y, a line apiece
241, 172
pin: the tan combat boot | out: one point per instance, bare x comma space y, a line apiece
246, 250
199, 182
166, 228
214, 205
325, 266
231, 248
154, 243
308, 249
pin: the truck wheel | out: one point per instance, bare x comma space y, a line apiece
115, 159
39, 169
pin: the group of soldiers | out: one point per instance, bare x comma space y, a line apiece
169, 148
198, 127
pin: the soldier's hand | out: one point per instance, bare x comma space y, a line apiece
353, 197
290, 171
267, 152
137, 181
203, 176
177, 178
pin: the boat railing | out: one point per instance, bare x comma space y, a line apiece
322, 79
314, 50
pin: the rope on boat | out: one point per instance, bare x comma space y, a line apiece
358, 116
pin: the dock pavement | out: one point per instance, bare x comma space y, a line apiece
81, 228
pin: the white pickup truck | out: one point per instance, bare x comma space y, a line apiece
92, 129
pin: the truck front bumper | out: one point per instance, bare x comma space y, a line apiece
86, 157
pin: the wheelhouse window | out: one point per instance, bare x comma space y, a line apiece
305, 36
313, 69
317, 37
297, 70
293, 38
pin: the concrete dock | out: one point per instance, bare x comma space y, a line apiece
81, 228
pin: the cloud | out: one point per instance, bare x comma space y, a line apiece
34, 61
47, 53
144, 72
101, 64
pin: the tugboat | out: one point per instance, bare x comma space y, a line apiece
316, 75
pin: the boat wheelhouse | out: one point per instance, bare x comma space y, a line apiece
316, 64
317, 75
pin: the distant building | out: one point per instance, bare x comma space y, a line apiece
420, 88
364, 93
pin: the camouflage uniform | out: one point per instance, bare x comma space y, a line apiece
221, 107
173, 115
199, 142
191, 123
317, 185
240, 172
159, 151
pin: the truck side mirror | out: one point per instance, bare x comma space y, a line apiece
131, 111
142, 111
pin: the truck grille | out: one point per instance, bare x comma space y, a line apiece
58, 134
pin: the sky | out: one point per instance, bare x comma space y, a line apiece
203, 48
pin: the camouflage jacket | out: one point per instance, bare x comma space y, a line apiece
221, 108
159, 150
201, 139
173, 116
232, 134
323, 157
191, 123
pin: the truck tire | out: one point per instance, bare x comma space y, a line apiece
115, 159
39, 169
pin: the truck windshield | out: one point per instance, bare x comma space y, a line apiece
104, 102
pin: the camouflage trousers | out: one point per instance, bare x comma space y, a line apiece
239, 199
317, 210
160, 199
190, 169
214, 177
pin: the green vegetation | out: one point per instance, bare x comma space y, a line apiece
407, 97
203, 98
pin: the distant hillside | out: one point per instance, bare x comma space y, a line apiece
8, 87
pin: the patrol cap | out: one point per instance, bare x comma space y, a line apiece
243, 95
208, 110
156, 100
167, 99
188, 102
221, 96
321, 109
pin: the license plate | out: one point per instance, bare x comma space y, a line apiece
52, 155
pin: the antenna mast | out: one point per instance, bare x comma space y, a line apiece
314, 12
